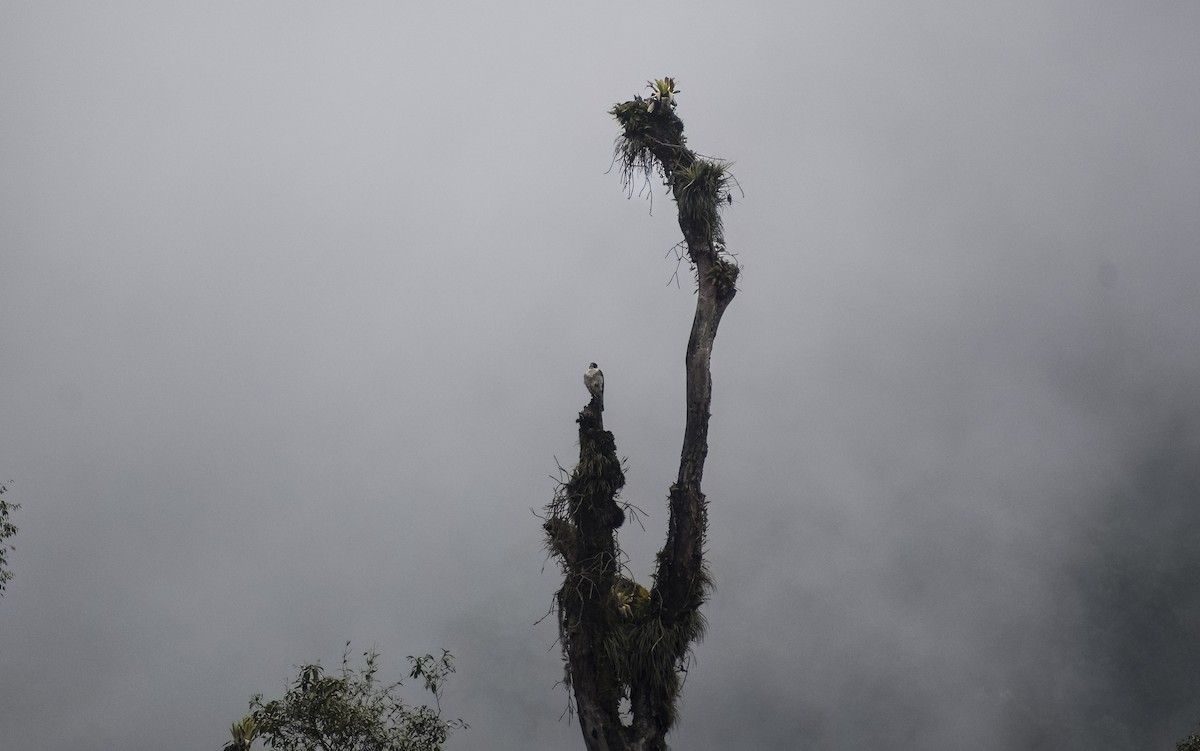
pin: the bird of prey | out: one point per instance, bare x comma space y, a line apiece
593, 378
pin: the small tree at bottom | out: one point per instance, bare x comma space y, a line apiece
352, 711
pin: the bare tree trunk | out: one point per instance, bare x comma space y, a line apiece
621, 642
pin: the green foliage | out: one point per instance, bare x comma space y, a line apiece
243, 733
352, 711
652, 144
631, 599
587, 501
703, 187
1191, 743
7, 530
662, 93
649, 654
651, 141
724, 275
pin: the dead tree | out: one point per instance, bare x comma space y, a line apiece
625, 646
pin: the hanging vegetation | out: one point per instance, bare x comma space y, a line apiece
626, 646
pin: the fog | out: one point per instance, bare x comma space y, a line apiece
295, 301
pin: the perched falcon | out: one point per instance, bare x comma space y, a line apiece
593, 378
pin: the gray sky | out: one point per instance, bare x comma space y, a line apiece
295, 300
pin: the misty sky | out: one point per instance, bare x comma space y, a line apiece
295, 300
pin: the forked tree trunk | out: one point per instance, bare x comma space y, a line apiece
621, 644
